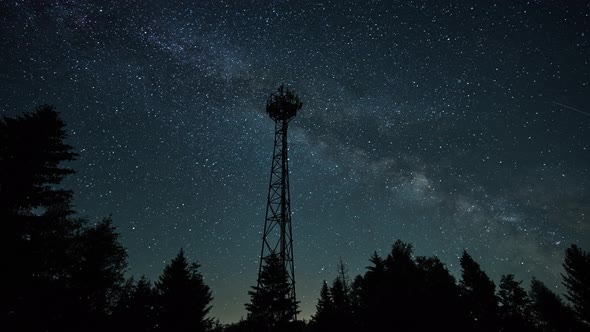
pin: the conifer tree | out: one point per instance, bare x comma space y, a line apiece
340, 293
577, 281
323, 317
62, 274
98, 274
37, 237
438, 296
549, 310
31, 156
514, 305
478, 294
135, 308
270, 306
183, 298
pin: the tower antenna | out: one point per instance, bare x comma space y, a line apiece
281, 107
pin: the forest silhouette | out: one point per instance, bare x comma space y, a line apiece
62, 273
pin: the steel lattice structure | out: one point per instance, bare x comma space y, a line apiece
277, 238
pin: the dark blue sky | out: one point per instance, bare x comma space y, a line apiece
451, 125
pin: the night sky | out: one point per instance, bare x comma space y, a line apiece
448, 124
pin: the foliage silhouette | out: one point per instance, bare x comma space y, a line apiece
36, 237
30, 156
270, 307
65, 274
324, 314
406, 293
341, 301
135, 308
577, 281
514, 305
549, 310
183, 299
477, 292
440, 296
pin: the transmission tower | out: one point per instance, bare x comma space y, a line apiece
277, 238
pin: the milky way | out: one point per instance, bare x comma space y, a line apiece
451, 125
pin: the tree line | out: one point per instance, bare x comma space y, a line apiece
63, 273
401, 292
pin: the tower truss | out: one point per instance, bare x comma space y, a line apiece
277, 237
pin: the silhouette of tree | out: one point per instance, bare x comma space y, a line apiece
340, 292
343, 275
378, 267
402, 287
371, 295
356, 295
387, 296
478, 294
270, 307
183, 298
549, 310
324, 315
38, 238
514, 305
342, 319
577, 281
31, 154
439, 297
335, 309
135, 309
76, 272
32, 211
99, 272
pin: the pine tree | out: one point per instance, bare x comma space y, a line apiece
342, 319
32, 150
271, 308
478, 294
334, 309
370, 295
438, 296
38, 238
340, 292
577, 281
549, 310
135, 308
357, 301
31, 154
183, 298
63, 275
514, 305
402, 287
99, 271
378, 266
324, 315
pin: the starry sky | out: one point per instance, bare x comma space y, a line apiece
448, 124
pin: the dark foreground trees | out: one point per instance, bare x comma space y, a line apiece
577, 281
514, 305
478, 295
549, 311
136, 307
405, 293
183, 299
62, 273
179, 301
396, 293
270, 307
